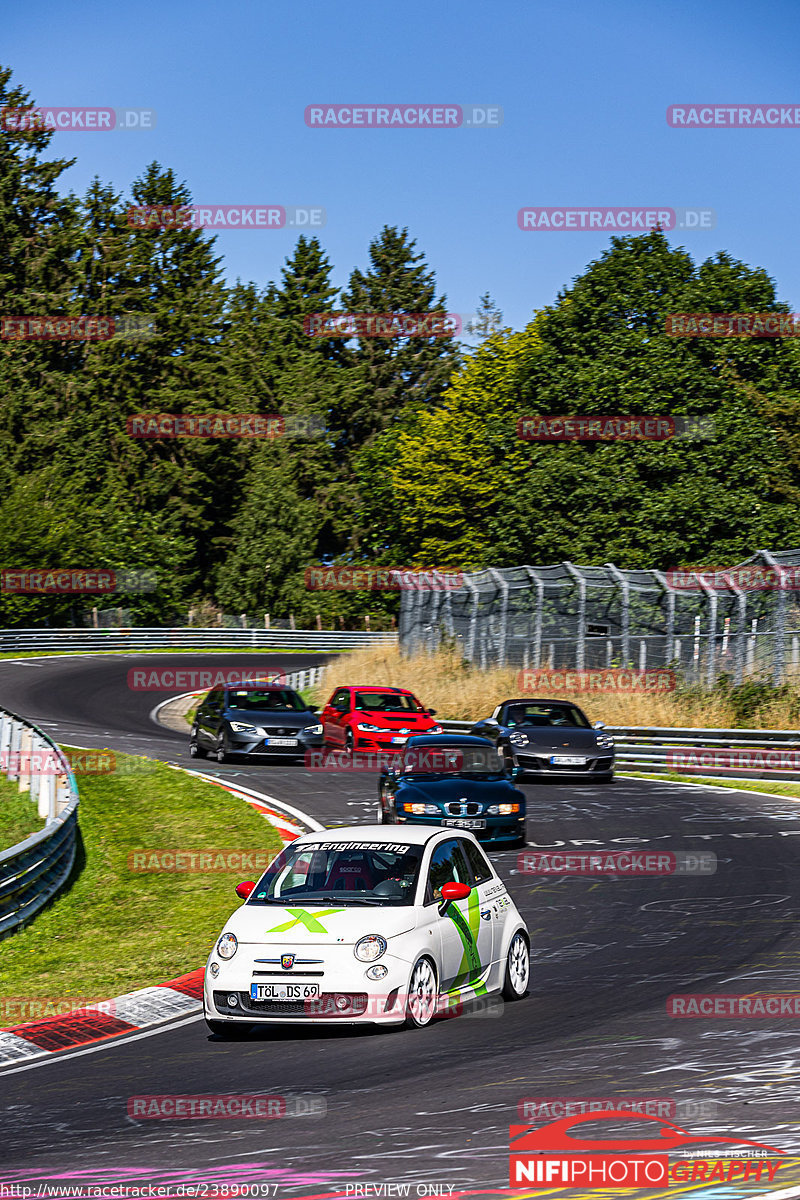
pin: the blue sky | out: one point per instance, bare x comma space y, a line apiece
584, 87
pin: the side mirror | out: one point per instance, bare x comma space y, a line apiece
599, 725
451, 892
491, 721
243, 890
431, 712
312, 708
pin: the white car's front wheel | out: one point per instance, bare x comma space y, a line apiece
518, 968
422, 994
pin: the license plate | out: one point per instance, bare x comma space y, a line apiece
271, 741
399, 741
466, 822
283, 991
568, 760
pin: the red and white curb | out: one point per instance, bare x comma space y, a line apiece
181, 997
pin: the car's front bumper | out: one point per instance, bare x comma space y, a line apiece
497, 831
248, 744
342, 975
539, 764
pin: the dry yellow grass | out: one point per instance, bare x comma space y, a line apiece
459, 692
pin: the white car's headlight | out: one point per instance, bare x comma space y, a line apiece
313, 729
227, 945
238, 727
370, 948
371, 728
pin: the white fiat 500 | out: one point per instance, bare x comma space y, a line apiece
367, 924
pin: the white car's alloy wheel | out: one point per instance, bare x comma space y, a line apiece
518, 968
421, 1003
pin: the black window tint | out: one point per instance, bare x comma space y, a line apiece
448, 865
480, 867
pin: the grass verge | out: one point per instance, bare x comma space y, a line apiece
19, 817
112, 930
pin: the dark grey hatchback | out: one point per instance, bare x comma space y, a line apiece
254, 720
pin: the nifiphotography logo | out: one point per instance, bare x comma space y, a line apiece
556, 1155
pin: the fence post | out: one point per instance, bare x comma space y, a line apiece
778, 666
25, 760
473, 618
537, 628
501, 650
13, 750
580, 649
625, 623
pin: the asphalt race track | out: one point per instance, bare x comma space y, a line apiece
433, 1106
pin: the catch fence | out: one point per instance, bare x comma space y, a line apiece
742, 621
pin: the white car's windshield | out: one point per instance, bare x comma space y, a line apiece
371, 873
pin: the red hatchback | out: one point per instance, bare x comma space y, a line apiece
374, 718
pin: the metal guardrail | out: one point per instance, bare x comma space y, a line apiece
33, 871
143, 638
769, 754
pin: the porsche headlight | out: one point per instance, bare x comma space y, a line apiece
519, 739
371, 728
370, 948
239, 727
227, 945
605, 741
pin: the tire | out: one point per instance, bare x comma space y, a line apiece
609, 778
221, 754
423, 993
518, 967
195, 750
227, 1030
383, 816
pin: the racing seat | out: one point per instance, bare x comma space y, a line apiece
353, 874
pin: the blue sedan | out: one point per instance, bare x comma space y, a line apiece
456, 781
